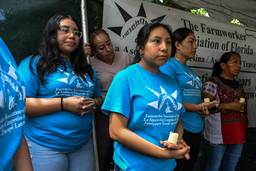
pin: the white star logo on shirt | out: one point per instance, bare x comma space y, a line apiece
65, 79
12, 73
163, 96
193, 81
70, 78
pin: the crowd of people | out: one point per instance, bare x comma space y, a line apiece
49, 102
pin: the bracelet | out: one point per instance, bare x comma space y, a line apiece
61, 104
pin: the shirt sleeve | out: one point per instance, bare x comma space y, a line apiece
29, 77
118, 98
210, 88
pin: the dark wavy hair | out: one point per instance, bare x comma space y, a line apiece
217, 70
51, 54
178, 36
143, 36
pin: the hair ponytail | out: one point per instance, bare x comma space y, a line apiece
216, 69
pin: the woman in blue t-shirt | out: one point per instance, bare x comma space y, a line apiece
13, 147
144, 106
184, 49
62, 92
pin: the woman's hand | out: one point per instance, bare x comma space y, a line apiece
178, 151
78, 105
205, 106
87, 49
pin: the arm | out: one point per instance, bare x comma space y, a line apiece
118, 131
87, 49
202, 108
42, 106
179, 129
233, 106
45, 106
193, 107
21, 159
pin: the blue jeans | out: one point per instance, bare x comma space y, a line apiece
223, 155
44, 158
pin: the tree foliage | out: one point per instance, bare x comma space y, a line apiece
200, 11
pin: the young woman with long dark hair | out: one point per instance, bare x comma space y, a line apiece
144, 106
62, 91
184, 49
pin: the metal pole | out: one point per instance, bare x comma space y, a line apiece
85, 24
86, 40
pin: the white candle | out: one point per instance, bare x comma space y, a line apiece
173, 138
206, 100
242, 100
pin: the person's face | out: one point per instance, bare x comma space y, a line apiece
232, 67
68, 36
103, 47
157, 49
187, 47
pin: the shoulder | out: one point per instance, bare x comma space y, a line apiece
5, 54
211, 82
171, 63
169, 67
31, 60
214, 79
170, 79
93, 60
123, 56
127, 72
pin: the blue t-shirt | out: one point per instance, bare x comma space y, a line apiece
60, 131
152, 104
12, 108
191, 86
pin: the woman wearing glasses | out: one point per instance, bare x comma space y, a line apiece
61, 92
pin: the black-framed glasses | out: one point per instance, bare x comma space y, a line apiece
68, 30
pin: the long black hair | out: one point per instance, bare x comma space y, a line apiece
178, 36
51, 54
143, 36
217, 70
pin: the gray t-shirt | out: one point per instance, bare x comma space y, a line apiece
106, 72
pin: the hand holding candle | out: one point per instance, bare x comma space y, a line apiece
242, 102
173, 138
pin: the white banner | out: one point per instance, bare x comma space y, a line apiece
124, 18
